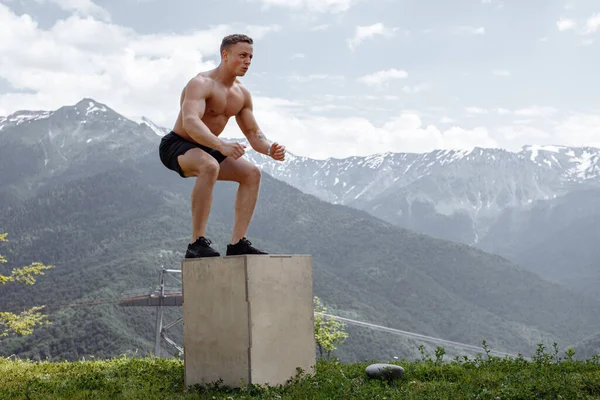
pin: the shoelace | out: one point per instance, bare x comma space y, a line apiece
205, 241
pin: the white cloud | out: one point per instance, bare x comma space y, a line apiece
573, 130
460, 138
81, 7
579, 129
536, 111
472, 30
315, 6
363, 32
476, 110
517, 135
589, 27
322, 27
592, 24
416, 88
347, 136
382, 77
587, 42
137, 74
329, 107
316, 77
405, 132
501, 72
142, 74
565, 24
499, 3
531, 112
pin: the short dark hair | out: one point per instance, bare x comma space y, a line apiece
230, 40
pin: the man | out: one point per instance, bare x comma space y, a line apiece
193, 148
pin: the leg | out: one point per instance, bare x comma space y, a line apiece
248, 176
196, 162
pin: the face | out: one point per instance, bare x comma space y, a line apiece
238, 58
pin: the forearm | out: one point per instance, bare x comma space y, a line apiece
259, 142
201, 134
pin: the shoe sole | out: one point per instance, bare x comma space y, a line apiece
203, 256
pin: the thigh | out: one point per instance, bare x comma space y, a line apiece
195, 161
238, 170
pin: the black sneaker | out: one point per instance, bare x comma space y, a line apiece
243, 247
201, 248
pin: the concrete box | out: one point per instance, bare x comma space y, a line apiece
247, 319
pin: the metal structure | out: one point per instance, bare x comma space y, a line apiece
160, 297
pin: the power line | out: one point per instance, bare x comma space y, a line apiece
414, 335
177, 294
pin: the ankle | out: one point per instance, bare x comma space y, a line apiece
195, 238
236, 239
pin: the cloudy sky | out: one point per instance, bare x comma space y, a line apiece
330, 78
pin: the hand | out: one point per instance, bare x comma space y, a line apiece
277, 152
233, 150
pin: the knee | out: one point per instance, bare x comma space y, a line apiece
253, 175
209, 170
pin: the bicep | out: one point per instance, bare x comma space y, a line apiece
245, 118
194, 100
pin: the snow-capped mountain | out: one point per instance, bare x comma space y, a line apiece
574, 163
20, 117
87, 122
75, 140
356, 180
159, 130
451, 194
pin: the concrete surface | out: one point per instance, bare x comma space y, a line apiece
247, 319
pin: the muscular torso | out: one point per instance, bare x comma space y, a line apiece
222, 104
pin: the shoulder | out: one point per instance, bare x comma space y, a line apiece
244, 91
200, 84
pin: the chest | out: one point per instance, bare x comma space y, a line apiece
225, 102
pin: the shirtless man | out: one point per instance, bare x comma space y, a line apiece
193, 148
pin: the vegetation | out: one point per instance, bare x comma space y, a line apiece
546, 375
328, 331
112, 215
24, 322
111, 233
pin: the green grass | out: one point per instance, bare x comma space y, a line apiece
482, 377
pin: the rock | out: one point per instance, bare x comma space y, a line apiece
387, 371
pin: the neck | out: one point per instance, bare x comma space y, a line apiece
223, 76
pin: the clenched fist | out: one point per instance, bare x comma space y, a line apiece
277, 152
233, 150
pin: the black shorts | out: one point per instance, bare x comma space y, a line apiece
172, 146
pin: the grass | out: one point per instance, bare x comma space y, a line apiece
544, 376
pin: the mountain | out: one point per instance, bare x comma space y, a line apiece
449, 194
159, 130
536, 207
44, 148
109, 233
588, 348
109, 216
557, 239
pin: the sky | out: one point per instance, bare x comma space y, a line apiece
329, 78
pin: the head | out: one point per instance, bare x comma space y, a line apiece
236, 53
